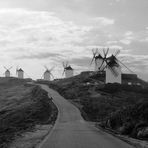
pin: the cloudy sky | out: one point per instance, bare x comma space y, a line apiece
34, 33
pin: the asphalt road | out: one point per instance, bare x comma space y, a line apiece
71, 131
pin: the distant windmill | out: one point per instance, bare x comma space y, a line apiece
7, 72
113, 67
47, 74
68, 70
98, 59
19, 73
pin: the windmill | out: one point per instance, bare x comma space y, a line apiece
113, 67
19, 73
7, 72
47, 74
68, 70
98, 59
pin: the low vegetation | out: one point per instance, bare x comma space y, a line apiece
122, 108
22, 106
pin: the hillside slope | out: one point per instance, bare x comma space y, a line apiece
22, 106
122, 108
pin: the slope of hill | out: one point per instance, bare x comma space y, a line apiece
112, 105
22, 106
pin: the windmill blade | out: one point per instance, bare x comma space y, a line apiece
114, 72
67, 63
10, 68
52, 69
64, 64
5, 68
52, 75
117, 52
104, 59
46, 67
106, 52
94, 55
63, 72
92, 60
125, 66
16, 70
102, 65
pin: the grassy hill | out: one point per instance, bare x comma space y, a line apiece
122, 108
22, 106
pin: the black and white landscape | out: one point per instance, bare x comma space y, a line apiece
73, 74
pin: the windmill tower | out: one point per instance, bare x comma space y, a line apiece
113, 67
98, 59
68, 70
47, 74
113, 70
7, 72
20, 73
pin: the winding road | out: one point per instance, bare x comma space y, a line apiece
71, 131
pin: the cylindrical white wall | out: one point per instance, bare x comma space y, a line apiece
47, 76
20, 74
68, 73
111, 78
7, 74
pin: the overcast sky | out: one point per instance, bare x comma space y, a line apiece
34, 33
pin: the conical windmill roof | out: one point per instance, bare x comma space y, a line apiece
7, 70
99, 57
47, 71
20, 70
68, 68
112, 61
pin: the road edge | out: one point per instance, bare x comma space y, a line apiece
52, 129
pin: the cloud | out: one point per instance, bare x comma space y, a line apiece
34, 31
39, 56
103, 21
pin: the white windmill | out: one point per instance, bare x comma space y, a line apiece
113, 70
19, 73
98, 59
47, 74
68, 70
113, 67
7, 72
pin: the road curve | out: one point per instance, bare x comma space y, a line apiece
71, 131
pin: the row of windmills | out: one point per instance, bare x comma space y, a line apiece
111, 65
47, 75
104, 63
19, 72
68, 72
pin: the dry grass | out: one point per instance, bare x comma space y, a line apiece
22, 106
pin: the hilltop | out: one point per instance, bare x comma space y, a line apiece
120, 107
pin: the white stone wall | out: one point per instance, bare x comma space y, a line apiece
68, 73
47, 76
111, 78
7, 74
20, 74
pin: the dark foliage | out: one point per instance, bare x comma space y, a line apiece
34, 108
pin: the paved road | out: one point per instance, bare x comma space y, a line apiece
71, 131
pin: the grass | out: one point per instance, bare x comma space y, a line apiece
122, 108
22, 106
